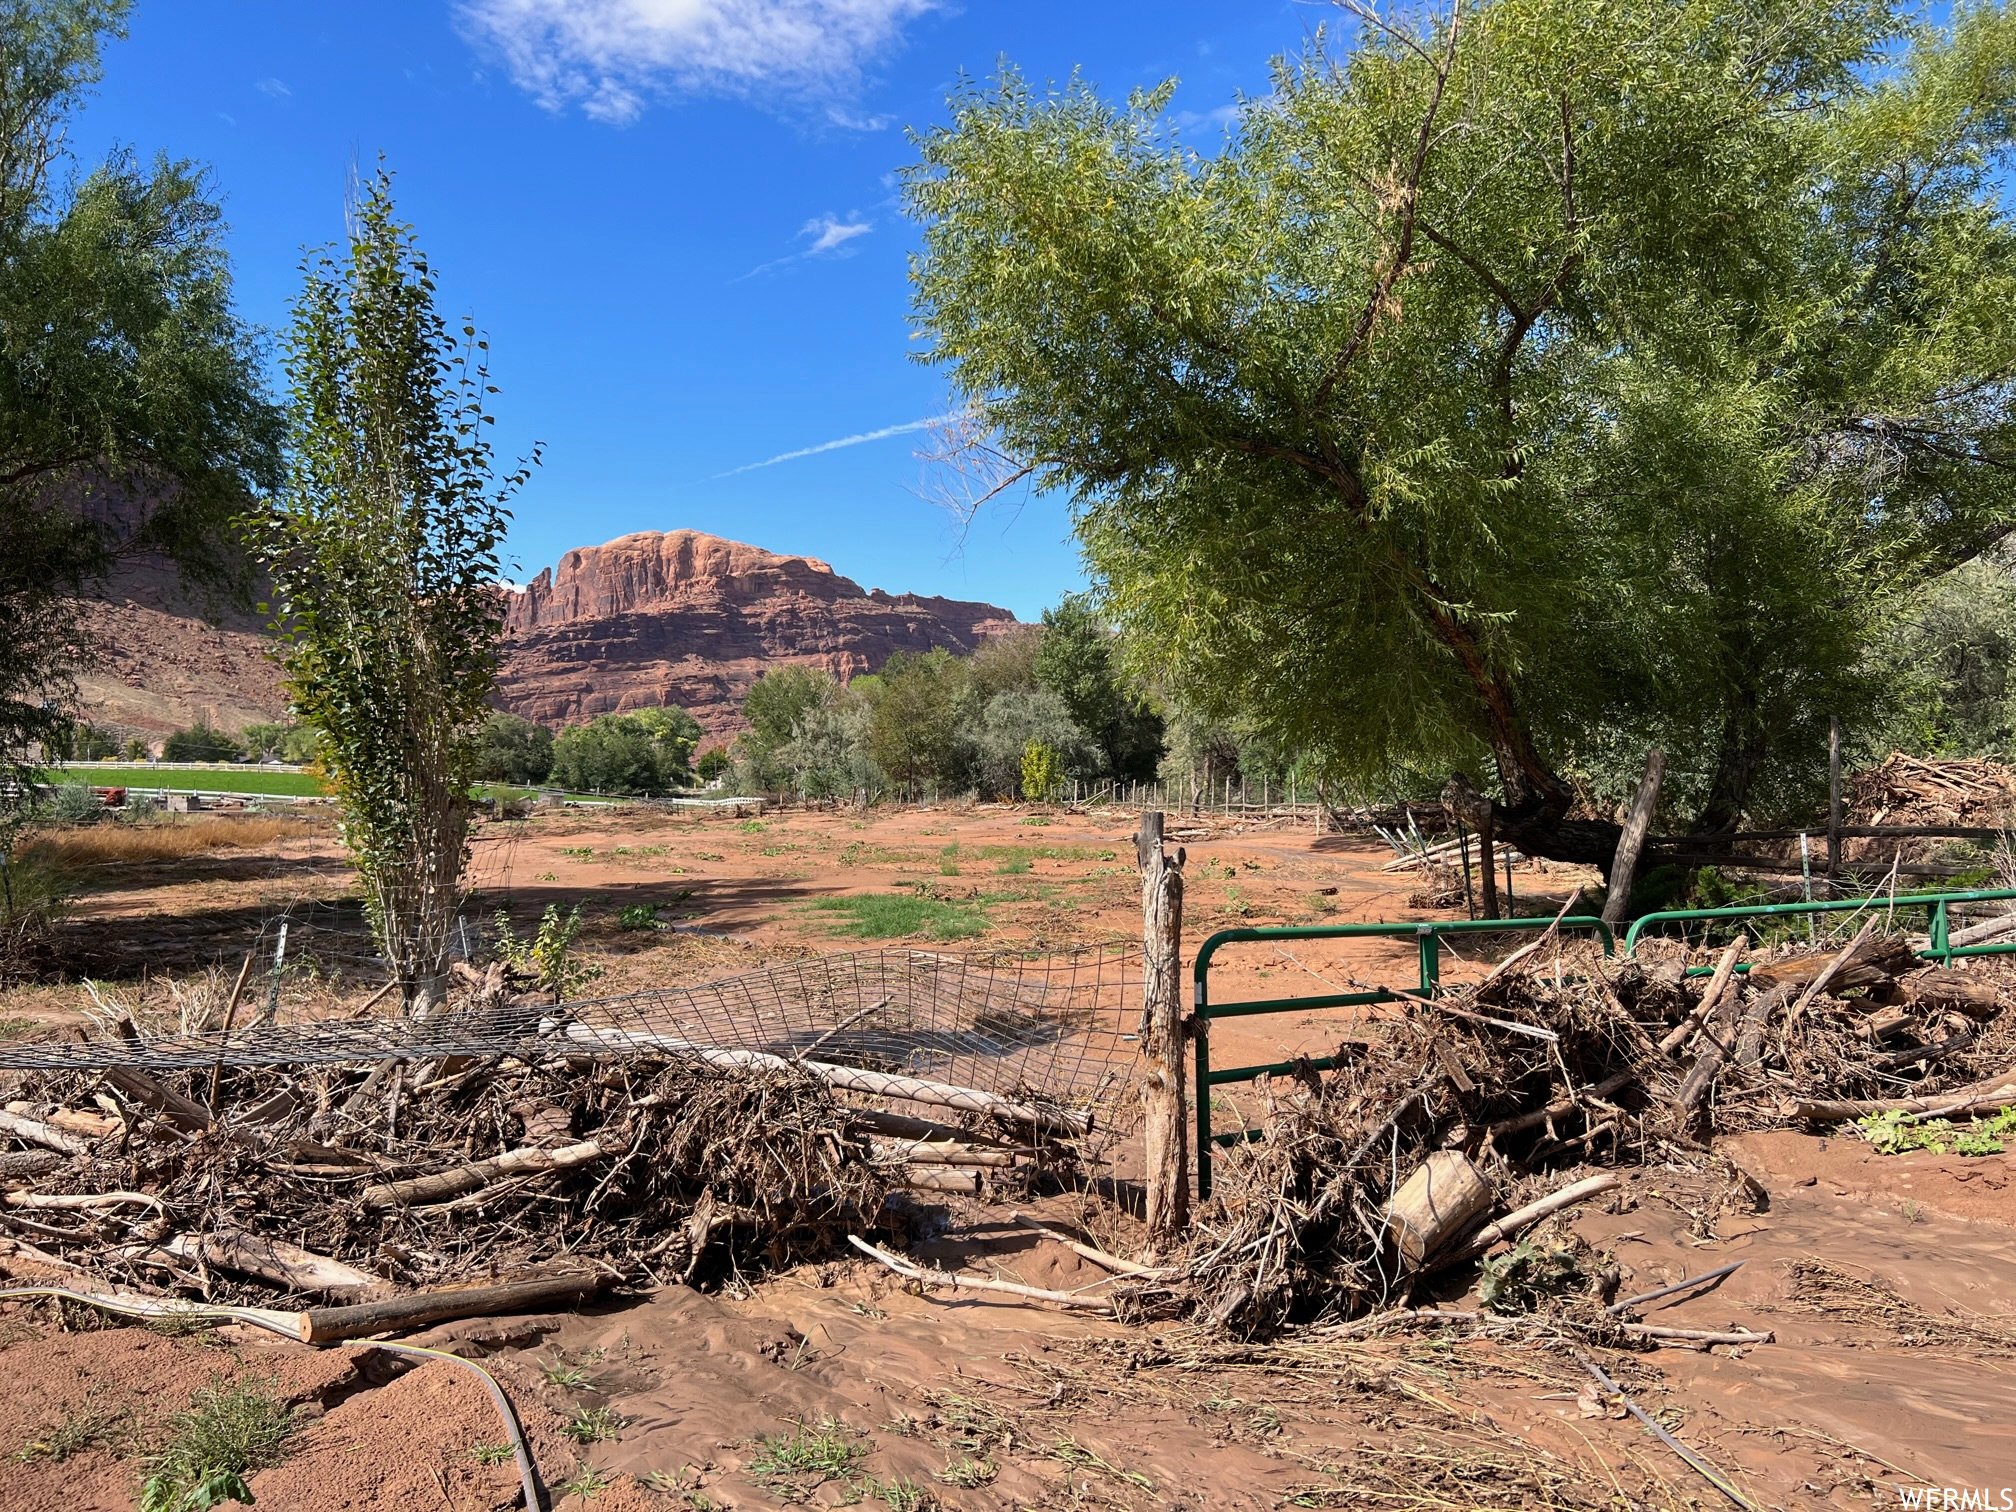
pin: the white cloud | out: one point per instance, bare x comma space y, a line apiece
273, 89
825, 446
611, 56
828, 232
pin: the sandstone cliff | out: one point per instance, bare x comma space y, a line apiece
684, 618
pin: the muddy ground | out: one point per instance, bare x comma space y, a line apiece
1890, 1282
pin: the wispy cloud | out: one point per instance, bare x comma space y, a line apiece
829, 233
611, 56
826, 446
273, 89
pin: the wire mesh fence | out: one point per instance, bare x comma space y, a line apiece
1055, 1029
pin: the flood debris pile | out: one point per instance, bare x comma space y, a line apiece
1461, 1124
645, 1161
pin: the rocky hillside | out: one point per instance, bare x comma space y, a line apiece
653, 618
685, 618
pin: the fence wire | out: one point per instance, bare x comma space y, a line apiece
1058, 1028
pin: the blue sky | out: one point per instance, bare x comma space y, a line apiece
676, 220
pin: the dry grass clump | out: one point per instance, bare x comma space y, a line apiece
78, 846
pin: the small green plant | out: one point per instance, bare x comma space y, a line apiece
752, 826
1042, 772
490, 1454
1017, 865
640, 916
549, 953
586, 1483
1893, 1133
899, 1495
229, 1430
821, 1451
594, 1425
1521, 1278
565, 1374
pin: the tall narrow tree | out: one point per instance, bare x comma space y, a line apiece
383, 551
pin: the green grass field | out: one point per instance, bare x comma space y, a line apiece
250, 780
890, 916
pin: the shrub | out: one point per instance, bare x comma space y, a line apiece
514, 750
227, 1432
550, 952
71, 803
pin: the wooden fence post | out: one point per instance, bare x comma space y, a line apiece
1163, 1039
1637, 823
1833, 795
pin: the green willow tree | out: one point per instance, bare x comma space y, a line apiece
1513, 391
132, 416
383, 552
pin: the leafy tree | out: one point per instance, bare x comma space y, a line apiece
1515, 391
831, 753
514, 750
383, 554
646, 752
280, 742
201, 741
713, 762
913, 733
778, 700
1946, 662
1004, 663
1077, 661
132, 416
996, 743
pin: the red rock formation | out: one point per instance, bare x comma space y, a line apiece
690, 619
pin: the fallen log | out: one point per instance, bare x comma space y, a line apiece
944, 1153
1941, 990
25, 1164
1872, 962
34, 1131
274, 1260
1830, 973
417, 1190
1756, 1020
1818, 1110
943, 1179
848, 1078
173, 1106
324, 1325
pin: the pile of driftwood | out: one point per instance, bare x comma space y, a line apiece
1909, 790
1467, 1120
375, 1185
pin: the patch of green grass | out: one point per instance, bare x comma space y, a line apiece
639, 916
890, 916
968, 1473
593, 1425
229, 1430
490, 1454
821, 1451
11, 1028
565, 1374
752, 826
586, 1484
899, 1495
1012, 866
218, 779
91, 1425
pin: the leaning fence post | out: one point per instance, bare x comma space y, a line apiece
1163, 1035
1624, 867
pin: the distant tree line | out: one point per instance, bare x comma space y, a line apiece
643, 753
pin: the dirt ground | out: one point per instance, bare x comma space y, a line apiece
1889, 1282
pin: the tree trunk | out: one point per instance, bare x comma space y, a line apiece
1487, 869
1164, 1100
1624, 868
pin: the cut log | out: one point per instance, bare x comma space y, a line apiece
942, 1179
324, 1325
1756, 1020
848, 1078
1941, 990
1440, 1200
1525, 1217
1830, 974
441, 1185
25, 1165
939, 1152
277, 1261
173, 1106
34, 1131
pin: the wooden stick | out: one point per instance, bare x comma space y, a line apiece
936, 1152
230, 1013
34, 1131
1570, 1104
1574, 897
29, 1163
1674, 1288
173, 1106
942, 1179
1698, 1335
323, 1325
934, 1277
1098, 1257
1757, 1019
466, 1178
1710, 1001
1707, 1471
1826, 975
1532, 1213
850, 1078
80, 1199
1978, 1098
